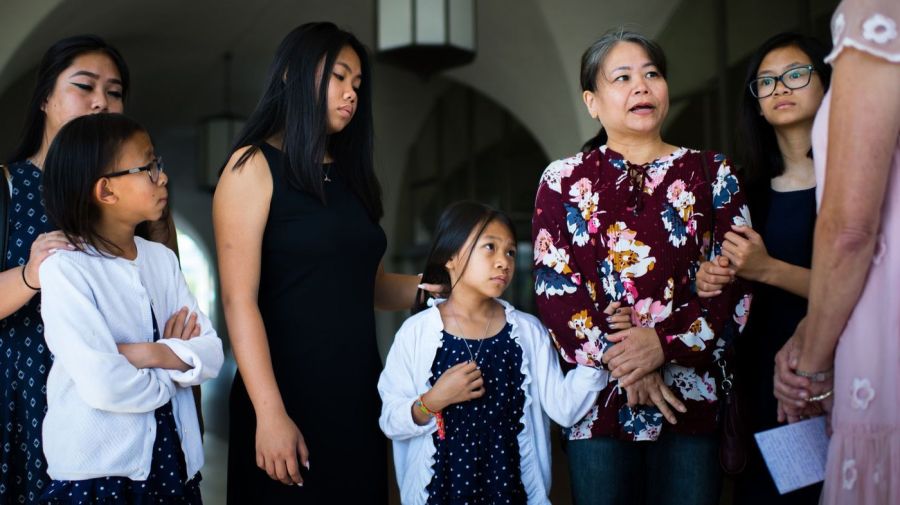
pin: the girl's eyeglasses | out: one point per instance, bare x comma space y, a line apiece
795, 78
154, 169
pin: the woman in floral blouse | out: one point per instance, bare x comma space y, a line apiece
629, 220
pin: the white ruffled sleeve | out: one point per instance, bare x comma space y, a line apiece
870, 26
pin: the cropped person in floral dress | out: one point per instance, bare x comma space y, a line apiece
629, 220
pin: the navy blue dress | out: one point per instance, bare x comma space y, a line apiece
24, 357
164, 486
478, 461
786, 220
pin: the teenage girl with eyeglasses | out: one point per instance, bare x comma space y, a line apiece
121, 424
787, 78
469, 382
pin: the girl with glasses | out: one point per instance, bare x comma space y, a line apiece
628, 220
121, 425
787, 79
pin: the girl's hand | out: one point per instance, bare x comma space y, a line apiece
279, 444
619, 317
182, 326
745, 249
152, 355
43, 246
652, 390
713, 276
636, 353
460, 383
140, 355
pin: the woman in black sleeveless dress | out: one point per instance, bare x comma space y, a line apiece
296, 218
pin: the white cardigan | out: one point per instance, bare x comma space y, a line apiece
406, 373
100, 409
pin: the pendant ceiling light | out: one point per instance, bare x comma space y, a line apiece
426, 36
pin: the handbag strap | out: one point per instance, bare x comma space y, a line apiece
4, 216
727, 382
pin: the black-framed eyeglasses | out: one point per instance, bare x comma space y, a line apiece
154, 169
795, 78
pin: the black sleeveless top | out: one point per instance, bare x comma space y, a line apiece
316, 297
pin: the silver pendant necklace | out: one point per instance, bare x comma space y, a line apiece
466, 341
327, 171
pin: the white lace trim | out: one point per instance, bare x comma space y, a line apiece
861, 46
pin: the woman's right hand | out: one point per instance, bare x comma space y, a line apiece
460, 383
278, 445
652, 390
43, 246
713, 276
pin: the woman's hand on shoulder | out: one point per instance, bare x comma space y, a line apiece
713, 276
280, 448
43, 246
747, 253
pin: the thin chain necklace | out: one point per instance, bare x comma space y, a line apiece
327, 171
466, 341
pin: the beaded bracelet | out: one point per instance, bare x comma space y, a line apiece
437, 415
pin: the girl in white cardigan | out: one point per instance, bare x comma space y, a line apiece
121, 425
470, 381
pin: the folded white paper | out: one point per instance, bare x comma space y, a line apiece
795, 453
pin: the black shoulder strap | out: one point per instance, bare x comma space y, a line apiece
4, 216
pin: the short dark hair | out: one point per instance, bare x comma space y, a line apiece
592, 61
294, 105
759, 150
58, 58
456, 223
83, 150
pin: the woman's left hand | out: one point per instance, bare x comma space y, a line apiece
637, 352
746, 251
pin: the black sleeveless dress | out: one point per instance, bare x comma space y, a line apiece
316, 296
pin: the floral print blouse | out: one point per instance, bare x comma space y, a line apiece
608, 230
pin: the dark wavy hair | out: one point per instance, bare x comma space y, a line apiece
592, 62
456, 223
58, 58
758, 147
295, 106
83, 150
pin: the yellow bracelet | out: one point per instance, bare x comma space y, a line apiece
821, 397
424, 408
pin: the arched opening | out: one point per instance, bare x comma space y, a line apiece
470, 148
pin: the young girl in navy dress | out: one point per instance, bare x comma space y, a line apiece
469, 382
121, 425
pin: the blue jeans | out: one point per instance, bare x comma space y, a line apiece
675, 469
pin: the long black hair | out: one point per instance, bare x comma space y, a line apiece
83, 150
758, 146
592, 62
456, 223
295, 106
58, 58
